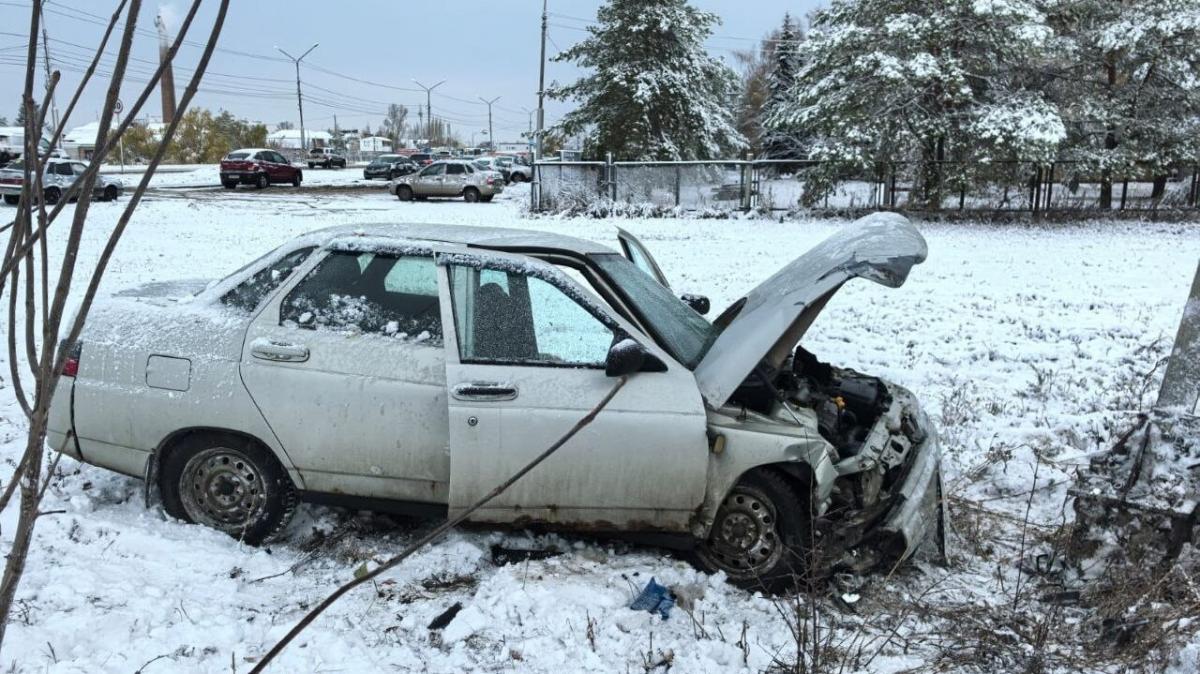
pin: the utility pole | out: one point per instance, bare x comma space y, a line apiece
300, 96
46, 60
529, 135
491, 136
541, 110
429, 107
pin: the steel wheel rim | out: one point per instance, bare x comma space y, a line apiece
223, 489
744, 541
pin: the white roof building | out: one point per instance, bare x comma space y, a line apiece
374, 144
290, 138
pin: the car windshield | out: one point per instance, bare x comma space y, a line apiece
387, 158
237, 155
682, 331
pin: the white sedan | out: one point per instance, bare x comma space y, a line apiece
415, 367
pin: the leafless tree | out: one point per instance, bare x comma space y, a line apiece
35, 314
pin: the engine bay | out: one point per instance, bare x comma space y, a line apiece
847, 403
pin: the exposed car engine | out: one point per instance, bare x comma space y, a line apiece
847, 404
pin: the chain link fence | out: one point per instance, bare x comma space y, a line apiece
783, 186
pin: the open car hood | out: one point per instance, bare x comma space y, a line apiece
767, 323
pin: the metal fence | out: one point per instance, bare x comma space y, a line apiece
774, 185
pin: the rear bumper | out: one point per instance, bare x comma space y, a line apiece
240, 177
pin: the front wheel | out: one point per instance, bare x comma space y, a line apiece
110, 193
262, 182
487, 199
470, 195
297, 179
229, 185
311, 165
52, 195
760, 537
404, 193
12, 199
230, 484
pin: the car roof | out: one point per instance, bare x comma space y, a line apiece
250, 149
496, 238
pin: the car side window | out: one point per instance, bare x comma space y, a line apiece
63, 169
455, 169
78, 169
278, 158
263, 156
369, 293
434, 170
248, 294
507, 317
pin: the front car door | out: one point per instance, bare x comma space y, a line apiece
430, 181
526, 348
346, 364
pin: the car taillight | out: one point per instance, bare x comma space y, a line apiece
71, 364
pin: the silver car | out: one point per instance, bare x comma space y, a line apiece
449, 178
415, 367
59, 176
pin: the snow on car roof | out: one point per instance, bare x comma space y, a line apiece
499, 238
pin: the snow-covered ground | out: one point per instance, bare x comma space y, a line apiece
1028, 343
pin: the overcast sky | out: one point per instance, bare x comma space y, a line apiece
370, 52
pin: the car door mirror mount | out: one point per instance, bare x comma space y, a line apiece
699, 303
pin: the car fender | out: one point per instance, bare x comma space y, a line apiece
741, 443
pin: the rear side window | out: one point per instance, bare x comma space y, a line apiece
456, 169
237, 155
250, 293
389, 295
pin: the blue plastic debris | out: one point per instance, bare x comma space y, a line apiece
654, 598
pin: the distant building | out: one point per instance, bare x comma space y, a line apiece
80, 142
289, 139
375, 144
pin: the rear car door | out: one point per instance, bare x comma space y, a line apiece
346, 364
526, 349
457, 176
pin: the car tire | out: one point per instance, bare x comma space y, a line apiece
761, 535
110, 193
229, 185
470, 195
311, 165
404, 193
487, 199
262, 181
52, 195
297, 179
230, 483
12, 199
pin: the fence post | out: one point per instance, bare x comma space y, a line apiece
1124, 191
1050, 186
1194, 193
610, 176
678, 180
746, 182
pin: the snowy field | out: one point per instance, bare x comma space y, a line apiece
1030, 345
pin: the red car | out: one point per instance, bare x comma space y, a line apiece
422, 158
258, 167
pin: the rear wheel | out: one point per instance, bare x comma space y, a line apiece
229, 483
404, 193
760, 537
470, 195
297, 179
110, 193
52, 195
262, 181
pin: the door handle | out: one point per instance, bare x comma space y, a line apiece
485, 391
281, 352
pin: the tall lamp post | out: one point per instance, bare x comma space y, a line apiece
299, 96
491, 138
429, 108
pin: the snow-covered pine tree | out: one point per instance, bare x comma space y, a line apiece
783, 141
1131, 85
653, 92
885, 81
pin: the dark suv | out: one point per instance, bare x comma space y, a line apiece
326, 157
259, 168
389, 166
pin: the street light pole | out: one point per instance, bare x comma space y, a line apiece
299, 95
491, 138
429, 109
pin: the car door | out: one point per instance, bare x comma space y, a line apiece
430, 181
283, 169
457, 177
640, 256
526, 348
347, 366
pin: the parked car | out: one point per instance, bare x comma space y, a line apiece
389, 167
60, 174
325, 157
421, 158
492, 164
258, 167
520, 172
413, 368
450, 178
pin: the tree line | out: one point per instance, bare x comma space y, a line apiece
944, 92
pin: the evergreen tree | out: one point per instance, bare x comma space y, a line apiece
653, 92
892, 80
782, 141
1133, 90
